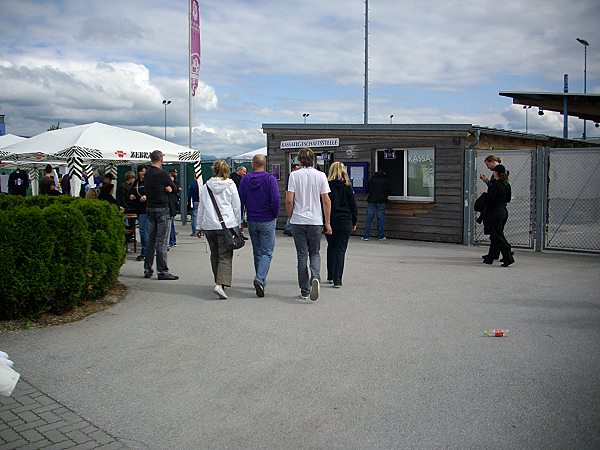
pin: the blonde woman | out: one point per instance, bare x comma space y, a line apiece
207, 220
343, 221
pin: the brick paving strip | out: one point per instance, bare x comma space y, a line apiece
30, 419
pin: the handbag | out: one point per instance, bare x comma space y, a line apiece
233, 236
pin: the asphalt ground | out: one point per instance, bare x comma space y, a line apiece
393, 359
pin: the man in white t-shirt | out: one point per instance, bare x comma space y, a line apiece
307, 188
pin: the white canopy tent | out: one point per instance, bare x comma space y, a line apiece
98, 143
249, 155
8, 139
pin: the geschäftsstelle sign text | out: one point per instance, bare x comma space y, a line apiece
326, 142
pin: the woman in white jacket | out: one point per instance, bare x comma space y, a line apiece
207, 220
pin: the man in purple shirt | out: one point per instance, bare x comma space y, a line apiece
260, 198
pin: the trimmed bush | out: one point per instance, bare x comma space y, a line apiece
56, 252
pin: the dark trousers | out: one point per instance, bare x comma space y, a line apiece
337, 243
496, 221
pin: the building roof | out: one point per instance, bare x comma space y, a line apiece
435, 129
584, 106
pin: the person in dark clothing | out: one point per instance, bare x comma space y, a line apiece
194, 199
173, 207
137, 197
498, 195
378, 188
106, 193
124, 189
65, 184
158, 185
46, 180
238, 175
343, 221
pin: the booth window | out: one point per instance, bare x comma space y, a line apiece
411, 172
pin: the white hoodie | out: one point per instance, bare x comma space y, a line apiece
228, 200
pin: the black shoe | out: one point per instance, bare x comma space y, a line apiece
511, 255
148, 274
488, 261
167, 276
489, 257
260, 289
508, 263
140, 258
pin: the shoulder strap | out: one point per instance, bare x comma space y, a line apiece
214, 202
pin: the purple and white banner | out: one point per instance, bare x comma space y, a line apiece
194, 45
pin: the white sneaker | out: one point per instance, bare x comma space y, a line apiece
314, 290
303, 297
382, 239
364, 238
220, 292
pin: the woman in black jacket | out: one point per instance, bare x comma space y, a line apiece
343, 221
498, 195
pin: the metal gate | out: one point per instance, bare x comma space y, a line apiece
521, 209
555, 198
573, 199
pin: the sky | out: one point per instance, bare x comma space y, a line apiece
271, 61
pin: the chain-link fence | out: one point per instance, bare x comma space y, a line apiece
519, 228
573, 208
567, 200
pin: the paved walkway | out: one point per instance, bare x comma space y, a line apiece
30, 419
394, 359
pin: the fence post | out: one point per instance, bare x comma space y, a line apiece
469, 190
541, 197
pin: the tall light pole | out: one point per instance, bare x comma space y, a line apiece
305, 115
366, 96
166, 102
526, 108
585, 46
391, 117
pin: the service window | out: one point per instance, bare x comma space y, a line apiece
411, 172
323, 160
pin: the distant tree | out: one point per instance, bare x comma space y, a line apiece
54, 127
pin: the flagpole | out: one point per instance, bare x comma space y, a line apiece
190, 72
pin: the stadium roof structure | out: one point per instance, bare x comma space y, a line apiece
584, 106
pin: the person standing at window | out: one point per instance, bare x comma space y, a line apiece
307, 189
378, 188
343, 221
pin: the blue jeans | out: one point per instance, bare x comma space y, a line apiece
263, 243
158, 238
143, 224
172, 238
194, 215
374, 209
307, 239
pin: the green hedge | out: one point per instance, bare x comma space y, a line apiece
56, 252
